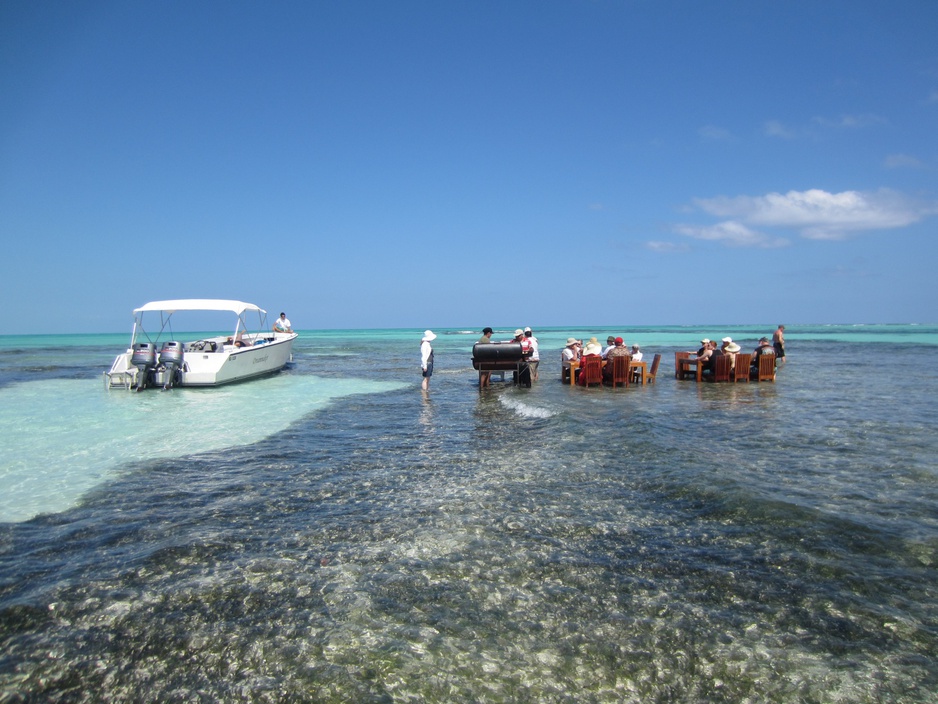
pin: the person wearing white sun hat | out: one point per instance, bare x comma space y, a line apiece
729, 349
426, 358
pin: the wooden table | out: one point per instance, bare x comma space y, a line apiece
685, 365
574, 365
641, 366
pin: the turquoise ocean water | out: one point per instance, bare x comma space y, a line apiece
332, 534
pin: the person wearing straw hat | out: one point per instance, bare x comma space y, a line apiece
426, 358
570, 353
729, 349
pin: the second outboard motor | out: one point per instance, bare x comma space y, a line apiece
144, 359
171, 359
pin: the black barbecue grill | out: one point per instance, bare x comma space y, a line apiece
501, 357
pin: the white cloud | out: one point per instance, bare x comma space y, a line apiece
774, 128
657, 246
817, 214
851, 121
732, 233
902, 161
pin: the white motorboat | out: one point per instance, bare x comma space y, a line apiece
157, 359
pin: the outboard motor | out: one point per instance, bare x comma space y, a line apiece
171, 360
144, 359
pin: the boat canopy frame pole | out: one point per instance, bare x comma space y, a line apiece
166, 322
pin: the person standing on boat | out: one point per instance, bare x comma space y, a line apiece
426, 358
282, 324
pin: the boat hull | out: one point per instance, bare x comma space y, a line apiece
239, 364
228, 364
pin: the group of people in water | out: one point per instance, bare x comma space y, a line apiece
575, 350
709, 351
529, 349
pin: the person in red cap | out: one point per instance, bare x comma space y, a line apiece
618, 350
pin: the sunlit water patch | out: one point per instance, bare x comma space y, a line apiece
61, 437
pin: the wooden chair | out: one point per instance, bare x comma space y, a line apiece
620, 369
741, 372
766, 367
721, 368
650, 374
678, 356
591, 370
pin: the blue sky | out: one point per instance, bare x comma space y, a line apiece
460, 164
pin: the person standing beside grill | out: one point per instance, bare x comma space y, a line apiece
523, 376
535, 357
485, 377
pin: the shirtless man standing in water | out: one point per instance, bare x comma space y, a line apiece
778, 342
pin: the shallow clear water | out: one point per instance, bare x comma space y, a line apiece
330, 534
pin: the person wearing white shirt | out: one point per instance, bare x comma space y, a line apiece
426, 358
535, 357
570, 353
282, 324
636, 354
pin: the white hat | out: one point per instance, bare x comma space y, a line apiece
732, 347
571, 341
727, 339
705, 341
518, 332
593, 348
428, 336
527, 329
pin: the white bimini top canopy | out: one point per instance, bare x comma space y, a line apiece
236, 307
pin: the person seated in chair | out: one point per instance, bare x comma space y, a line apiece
705, 355
729, 349
570, 353
618, 350
592, 350
765, 347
